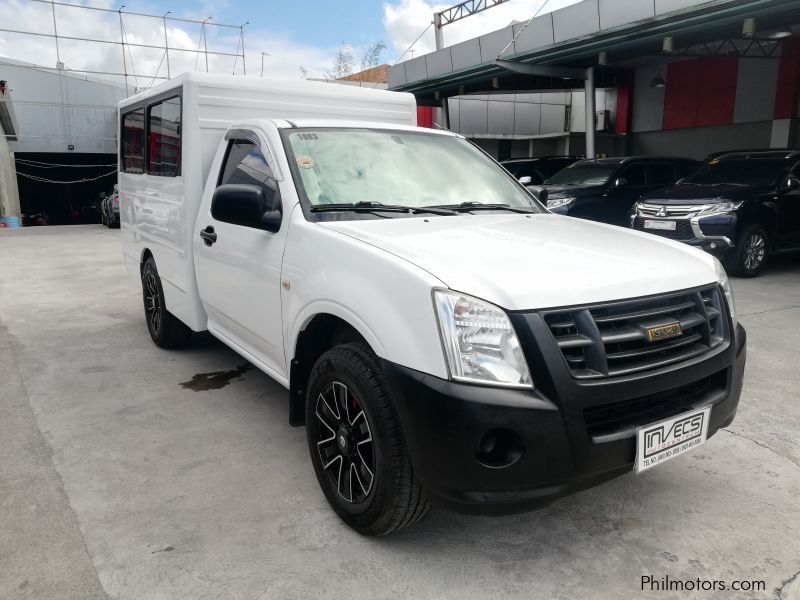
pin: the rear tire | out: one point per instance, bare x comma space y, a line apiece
357, 446
748, 257
166, 330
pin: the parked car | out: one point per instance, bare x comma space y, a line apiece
109, 209
605, 189
441, 335
741, 207
537, 169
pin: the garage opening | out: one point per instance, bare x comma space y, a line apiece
57, 188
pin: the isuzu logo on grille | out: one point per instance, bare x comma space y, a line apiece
664, 332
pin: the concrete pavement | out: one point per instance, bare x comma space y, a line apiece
118, 482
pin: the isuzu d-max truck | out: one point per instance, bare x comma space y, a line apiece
442, 336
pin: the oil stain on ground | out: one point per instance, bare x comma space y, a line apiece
216, 380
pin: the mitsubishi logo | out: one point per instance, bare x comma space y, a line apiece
662, 212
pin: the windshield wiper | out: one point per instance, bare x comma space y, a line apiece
470, 206
378, 206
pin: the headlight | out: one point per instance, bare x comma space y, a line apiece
722, 279
556, 202
721, 207
479, 342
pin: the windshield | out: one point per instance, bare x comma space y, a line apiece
588, 174
753, 171
398, 168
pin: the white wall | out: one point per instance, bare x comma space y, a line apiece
55, 110
528, 115
9, 194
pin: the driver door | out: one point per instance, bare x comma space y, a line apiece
621, 199
238, 273
788, 229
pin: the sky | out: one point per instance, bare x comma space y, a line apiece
296, 35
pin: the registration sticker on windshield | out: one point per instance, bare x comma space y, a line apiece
305, 162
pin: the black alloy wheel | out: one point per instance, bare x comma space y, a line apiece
166, 330
345, 446
357, 445
152, 300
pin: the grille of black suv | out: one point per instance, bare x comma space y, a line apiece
682, 231
627, 414
610, 339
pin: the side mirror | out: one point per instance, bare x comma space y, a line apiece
526, 180
620, 182
247, 205
539, 192
792, 183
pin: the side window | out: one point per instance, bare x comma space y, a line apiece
245, 164
164, 143
529, 171
687, 168
661, 174
634, 174
133, 142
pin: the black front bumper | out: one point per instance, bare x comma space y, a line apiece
552, 453
716, 234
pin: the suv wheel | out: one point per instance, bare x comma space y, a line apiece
750, 254
356, 444
166, 330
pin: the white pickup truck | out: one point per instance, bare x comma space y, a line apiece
443, 337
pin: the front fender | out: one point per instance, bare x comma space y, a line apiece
385, 298
320, 307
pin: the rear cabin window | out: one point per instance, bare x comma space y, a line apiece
164, 138
133, 141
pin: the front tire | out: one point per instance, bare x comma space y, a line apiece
750, 254
357, 446
166, 330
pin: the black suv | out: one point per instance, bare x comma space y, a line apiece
538, 169
605, 189
740, 206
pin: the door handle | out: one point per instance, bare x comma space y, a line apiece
208, 235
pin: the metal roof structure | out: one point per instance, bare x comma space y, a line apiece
627, 30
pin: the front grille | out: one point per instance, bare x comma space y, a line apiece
670, 210
614, 417
682, 231
611, 339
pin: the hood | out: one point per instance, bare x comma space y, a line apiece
574, 191
524, 262
702, 194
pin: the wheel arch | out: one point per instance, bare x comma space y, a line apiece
764, 215
319, 333
146, 253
